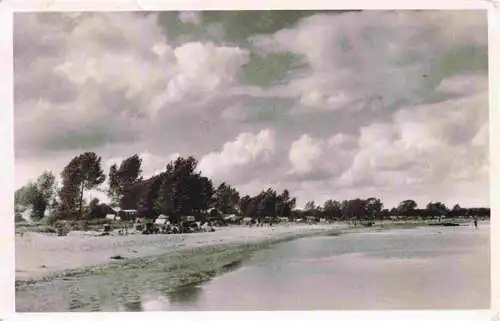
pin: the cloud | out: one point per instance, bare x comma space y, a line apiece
304, 152
202, 68
111, 74
245, 149
463, 84
373, 103
376, 59
190, 17
434, 145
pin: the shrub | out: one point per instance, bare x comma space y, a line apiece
79, 225
44, 229
62, 227
98, 221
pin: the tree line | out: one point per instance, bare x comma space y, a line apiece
182, 190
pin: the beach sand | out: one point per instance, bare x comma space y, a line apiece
76, 273
80, 275
38, 254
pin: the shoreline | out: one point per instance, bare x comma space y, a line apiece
115, 286
40, 255
110, 287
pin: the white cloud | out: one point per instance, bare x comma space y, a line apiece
318, 159
245, 149
113, 73
304, 153
190, 17
389, 104
202, 68
358, 59
342, 140
463, 84
421, 146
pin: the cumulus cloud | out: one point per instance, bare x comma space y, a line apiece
113, 69
304, 153
429, 145
374, 103
373, 59
201, 69
245, 149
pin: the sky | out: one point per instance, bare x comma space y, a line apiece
329, 105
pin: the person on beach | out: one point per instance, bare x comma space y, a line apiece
475, 224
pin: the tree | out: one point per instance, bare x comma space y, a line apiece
354, 209
122, 181
268, 203
407, 206
149, 192
332, 209
310, 206
246, 206
82, 173
437, 208
36, 196
183, 191
226, 199
285, 204
373, 208
94, 209
114, 185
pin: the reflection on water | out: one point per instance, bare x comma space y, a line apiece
130, 301
427, 268
185, 295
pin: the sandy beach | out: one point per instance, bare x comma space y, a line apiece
39, 254
76, 272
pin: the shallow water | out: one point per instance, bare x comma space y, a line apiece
424, 268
